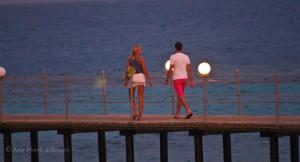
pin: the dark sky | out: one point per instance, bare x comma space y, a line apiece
33, 1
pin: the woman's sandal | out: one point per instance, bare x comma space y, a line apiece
189, 116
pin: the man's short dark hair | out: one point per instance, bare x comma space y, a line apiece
178, 46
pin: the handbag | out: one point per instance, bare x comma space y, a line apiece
130, 71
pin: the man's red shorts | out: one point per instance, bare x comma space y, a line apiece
179, 85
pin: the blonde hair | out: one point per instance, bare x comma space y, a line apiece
136, 46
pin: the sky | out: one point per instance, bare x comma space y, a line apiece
34, 1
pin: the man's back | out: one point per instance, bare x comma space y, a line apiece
180, 61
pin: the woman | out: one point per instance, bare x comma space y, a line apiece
136, 73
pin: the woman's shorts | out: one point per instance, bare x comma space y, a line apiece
138, 80
179, 86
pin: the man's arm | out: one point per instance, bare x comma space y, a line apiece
169, 73
190, 75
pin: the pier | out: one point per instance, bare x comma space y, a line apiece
197, 127
271, 126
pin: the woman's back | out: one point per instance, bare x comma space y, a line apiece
135, 62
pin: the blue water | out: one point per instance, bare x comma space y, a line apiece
260, 37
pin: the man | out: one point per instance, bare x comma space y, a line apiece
181, 69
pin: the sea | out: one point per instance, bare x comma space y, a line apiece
261, 38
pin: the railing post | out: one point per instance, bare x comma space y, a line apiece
1, 97
238, 90
66, 85
204, 97
277, 99
103, 79
45, 86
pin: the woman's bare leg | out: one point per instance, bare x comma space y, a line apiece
133, 106
141, 100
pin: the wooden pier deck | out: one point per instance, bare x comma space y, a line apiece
225, 125
237, 123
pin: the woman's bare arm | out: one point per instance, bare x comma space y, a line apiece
126, 77
145, 70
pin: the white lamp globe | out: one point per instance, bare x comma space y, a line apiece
167, 65
204, 68
2, 72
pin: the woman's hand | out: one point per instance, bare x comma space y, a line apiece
150, 83
166, 81
191, 84
126, 83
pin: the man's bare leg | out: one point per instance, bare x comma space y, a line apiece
185, 104
178, 109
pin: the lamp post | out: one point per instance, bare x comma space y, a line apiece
2, 75
167, 67
204, 69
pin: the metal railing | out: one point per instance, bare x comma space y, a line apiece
61, 91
